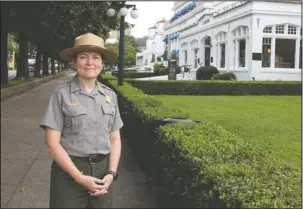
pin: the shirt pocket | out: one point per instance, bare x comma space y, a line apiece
75, 119
109, 112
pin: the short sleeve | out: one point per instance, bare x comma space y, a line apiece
118, 123
53, 116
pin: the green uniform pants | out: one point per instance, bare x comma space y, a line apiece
66, 193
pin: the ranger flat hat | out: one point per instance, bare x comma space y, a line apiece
88, 43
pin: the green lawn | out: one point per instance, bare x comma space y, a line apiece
266, 119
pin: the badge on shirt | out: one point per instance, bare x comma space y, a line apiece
107, 99
74, 104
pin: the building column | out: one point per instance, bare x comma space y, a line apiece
230, 53
272, 53
246, 52
256, 36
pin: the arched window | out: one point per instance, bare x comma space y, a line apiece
221, 39
194, 43
195, 48
281, 46
240, 41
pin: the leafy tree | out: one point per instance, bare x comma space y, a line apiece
12, 44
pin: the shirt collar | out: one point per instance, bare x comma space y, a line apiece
75, 85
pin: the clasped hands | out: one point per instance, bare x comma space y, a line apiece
95, 186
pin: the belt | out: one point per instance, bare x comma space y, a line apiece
92, 159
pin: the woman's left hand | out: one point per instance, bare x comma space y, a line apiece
106, 181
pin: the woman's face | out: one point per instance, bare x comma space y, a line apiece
88, 64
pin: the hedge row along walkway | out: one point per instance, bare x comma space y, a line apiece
25, 162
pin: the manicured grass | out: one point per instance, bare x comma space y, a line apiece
269, 120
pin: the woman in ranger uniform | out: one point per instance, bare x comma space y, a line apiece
82, 131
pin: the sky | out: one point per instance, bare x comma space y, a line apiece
149, 13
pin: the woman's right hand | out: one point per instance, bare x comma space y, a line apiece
90, 183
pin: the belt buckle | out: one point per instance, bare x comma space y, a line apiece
90, 159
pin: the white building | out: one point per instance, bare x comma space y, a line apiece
154, 45
252, 39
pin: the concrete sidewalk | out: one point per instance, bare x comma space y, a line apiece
25, 162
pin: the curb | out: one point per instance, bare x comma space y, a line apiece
14, 90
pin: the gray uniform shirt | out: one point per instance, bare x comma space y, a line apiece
84, 120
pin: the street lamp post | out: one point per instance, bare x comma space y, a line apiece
122, 13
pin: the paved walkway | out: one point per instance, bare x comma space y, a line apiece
25, 162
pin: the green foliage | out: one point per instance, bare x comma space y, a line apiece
54, 25
130, 52
202, 165
215, 87
224, 76
206, 72
159, 69
140, 100
129, 49
12, 44
281, 131
216, 165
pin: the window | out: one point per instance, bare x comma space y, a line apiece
196, 57
242, 48
240, 39
185, 57
208, 41
292, 30
280, 29
285, 53
222, 55
266, 52
267, 30
300, 59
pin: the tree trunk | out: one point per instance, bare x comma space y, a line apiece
37, 72
59, 66
53, 66
45, 65
22, 70
65, 65
4, 45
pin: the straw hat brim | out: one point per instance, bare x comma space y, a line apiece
69, 54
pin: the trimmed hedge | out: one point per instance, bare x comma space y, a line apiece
142, 74
202, 165
217, 165
216, 87
206, 72
224, 76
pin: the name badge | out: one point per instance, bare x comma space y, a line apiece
74, 104
108, 99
